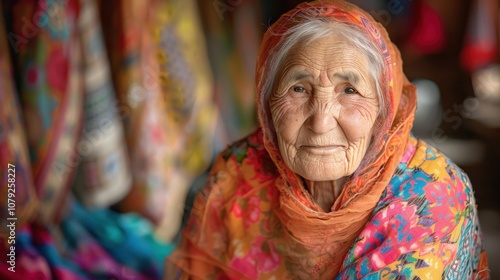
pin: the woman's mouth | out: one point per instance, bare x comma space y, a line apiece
321, 149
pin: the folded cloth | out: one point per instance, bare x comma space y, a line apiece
88, 244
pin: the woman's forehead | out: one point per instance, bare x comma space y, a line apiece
334, 45
324, 53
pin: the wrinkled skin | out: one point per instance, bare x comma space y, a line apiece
324, 107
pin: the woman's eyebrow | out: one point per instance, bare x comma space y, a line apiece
348, 76
294, 75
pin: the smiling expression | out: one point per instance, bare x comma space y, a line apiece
323, 107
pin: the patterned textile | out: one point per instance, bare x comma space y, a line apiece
165, 91
425, 224
56, 65
88, 244
47, 59
13, 148
407, 214
232, 32
103, 177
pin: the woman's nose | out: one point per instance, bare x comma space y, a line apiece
322, 119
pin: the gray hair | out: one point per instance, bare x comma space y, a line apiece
317, 28
312, 29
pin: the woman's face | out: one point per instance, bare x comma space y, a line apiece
324, 108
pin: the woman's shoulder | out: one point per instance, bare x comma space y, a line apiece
429, 187
425, 222
243, 164
241, 149
426, 172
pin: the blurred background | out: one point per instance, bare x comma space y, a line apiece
112, 111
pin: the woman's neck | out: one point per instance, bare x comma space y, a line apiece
325, 193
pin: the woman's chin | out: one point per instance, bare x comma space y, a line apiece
311, 173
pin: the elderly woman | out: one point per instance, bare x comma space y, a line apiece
332, 185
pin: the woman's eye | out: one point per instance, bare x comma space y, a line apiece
298, 89
350, 90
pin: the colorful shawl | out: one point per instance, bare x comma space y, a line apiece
410, 214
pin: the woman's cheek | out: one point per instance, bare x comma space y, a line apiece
357, 122
278, 112
284, 113
287, 126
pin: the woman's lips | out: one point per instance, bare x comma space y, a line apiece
321, 150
